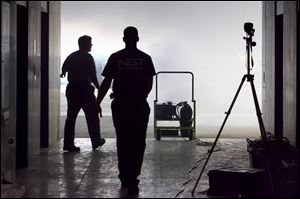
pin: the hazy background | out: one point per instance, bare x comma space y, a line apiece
205, 38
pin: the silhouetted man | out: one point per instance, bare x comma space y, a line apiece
132, 73
81, 70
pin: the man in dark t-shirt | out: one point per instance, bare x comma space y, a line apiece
81, 70
132, 73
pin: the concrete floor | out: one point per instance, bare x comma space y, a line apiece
167, 166
170, 168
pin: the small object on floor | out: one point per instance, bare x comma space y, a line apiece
236, 182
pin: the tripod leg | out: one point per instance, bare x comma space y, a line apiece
263, 135
219, 133
258, 112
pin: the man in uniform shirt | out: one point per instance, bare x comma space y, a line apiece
132, 73
81, 70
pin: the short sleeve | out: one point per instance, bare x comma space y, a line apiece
151, 69
66, 64
92, 68
109, 70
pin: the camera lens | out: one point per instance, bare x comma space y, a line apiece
248, 27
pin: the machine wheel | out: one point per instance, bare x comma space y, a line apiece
158, 135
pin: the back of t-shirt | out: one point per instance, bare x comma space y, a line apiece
131, 70
80, 67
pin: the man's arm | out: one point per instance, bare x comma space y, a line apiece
103, 89
64, 68
95, 80
151, 73
149, 85
92, 72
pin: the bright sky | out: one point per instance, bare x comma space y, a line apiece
205, 38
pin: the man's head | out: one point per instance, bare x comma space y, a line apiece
130, 35
85, 43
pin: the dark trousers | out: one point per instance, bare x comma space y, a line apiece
81, 96
130, 121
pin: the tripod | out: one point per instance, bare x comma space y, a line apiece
250, 78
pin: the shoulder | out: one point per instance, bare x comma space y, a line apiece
80, 54
71, 57
143, 54
116, 55
85, 56
89, 56
73, 54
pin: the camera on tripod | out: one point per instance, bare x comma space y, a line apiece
248, 27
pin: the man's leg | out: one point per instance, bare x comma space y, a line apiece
122, 145
138, 139
137, 152
72, 112
122, 148
135, 148
92, 119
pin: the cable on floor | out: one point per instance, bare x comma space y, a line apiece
196, 164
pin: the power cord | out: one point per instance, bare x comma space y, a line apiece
196, 164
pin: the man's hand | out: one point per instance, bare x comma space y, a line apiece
99, 110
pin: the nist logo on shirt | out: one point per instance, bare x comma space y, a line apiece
131, 64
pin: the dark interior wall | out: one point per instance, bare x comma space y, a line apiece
44, 142
22, 87
268, 65
280, 48
298, 82
290, 36
38, 37
21, 118
34, 76
54, 71
8, 93
278, 131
